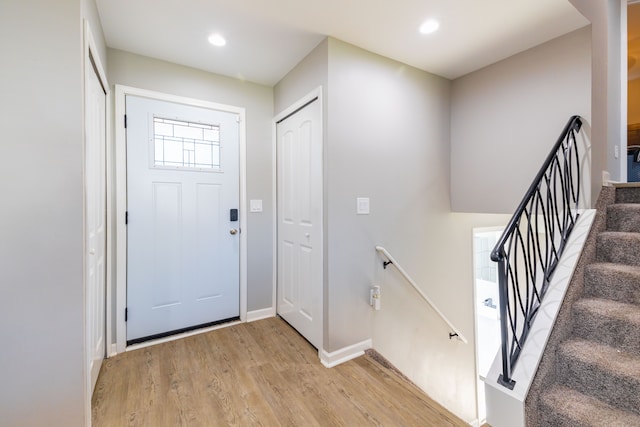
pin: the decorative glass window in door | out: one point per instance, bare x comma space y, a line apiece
186, 145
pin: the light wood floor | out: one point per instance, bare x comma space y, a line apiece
254, 374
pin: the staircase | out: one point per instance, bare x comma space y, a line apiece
595, 372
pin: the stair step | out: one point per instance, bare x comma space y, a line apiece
627, 195
624, 217
618, 247
613, 323
617, 282
566, 407
600, 371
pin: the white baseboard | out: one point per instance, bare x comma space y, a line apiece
475, 423
264, 313
114, 350
344, 354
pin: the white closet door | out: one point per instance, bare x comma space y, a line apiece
299, 158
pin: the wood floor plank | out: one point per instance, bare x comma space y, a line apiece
254, 374
408, 399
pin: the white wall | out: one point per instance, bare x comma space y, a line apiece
506, 117
147, 73
411, 336
41, 238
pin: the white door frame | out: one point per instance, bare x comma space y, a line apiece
91, 59
481, 410
121, 199
316, 93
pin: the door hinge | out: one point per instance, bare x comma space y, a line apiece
126, 314
125, 121
126, 218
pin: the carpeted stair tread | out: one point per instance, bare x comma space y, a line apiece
618, 247
618, 282
565, 407
601, 371
613, 323
590, 372
628, 195
624, 217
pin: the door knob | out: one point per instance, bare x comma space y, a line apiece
233, 231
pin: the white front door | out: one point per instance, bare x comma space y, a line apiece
95, 219
299, 166
183, 222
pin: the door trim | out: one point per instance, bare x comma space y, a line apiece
121, 92
92, 63
300, 103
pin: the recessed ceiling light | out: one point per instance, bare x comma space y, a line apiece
429, 26
217, 40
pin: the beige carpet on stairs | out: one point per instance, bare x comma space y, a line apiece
590, 372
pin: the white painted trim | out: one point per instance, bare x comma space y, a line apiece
90, 51
345, 354
113, 350
624, 92
475, 423
121, 198
505, 408
121, 207
274, 209
479, 380
182, 335
315, 93
265, 313
111, 232
244, 207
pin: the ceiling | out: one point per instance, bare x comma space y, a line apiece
267, 38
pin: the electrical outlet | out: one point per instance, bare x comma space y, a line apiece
374, 297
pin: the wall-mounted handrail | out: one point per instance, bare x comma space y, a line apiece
390, 260
532, 243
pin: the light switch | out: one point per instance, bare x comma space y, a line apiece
255, 205
362, 206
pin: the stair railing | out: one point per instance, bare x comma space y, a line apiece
390, 260
532, 243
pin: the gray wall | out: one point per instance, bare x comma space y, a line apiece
307, 75
387, 138
41, 238
608, 23
89, 11
147, 73
506, 117
142, 72
383, 122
